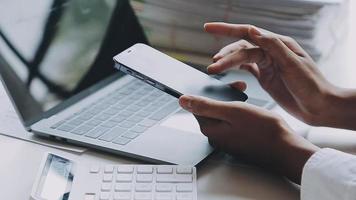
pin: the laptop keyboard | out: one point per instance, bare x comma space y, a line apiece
122, 115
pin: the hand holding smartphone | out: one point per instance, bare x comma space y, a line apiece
171, 75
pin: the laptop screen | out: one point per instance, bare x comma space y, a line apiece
52, 50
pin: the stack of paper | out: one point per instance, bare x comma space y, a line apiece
177, 25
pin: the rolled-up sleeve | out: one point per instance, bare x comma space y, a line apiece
329, 175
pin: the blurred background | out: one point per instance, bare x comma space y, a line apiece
58, 48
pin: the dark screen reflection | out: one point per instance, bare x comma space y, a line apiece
59, 48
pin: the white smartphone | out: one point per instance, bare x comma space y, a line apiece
171, 75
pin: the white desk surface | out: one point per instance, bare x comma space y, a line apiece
218, 177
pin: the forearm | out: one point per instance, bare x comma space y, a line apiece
341, 111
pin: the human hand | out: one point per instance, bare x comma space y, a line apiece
283, 69
251, 133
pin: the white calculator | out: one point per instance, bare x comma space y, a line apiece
62, 179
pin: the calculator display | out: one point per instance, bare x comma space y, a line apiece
56, 179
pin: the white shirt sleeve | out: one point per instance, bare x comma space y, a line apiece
329, 175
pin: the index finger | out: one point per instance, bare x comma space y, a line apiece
240, 31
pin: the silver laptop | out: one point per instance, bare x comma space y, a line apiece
56, 63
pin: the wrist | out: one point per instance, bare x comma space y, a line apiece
295, 152
340, 109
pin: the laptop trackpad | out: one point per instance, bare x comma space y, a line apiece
172, 145
184, 121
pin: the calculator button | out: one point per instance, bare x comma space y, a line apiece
184, 178
143, 196
89, 196
144, 169
161, 187
125, 169
184, 170
94, 169
107, 177
145, 178
106, 187
104, 196
123, 187
123, 177
163, 196
183, 196
164, 170
179, 178
122, 196
109, 169
184, 187
141, 187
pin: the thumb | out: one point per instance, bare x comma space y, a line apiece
205, 107
273, 45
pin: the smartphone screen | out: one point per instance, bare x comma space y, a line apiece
171, 75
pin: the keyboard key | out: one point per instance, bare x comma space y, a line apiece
135, 119
94, 122
94, 169
133, 108
139, 129
141, 104
184, 187
126, 102
164, 170
127, 124
111, 111
107, 178
144, 169
142, 187
112, 134
123, 187
125, 169
122, 196
66, 127
184, 170
163, 196
144, 113
97, 132
76, 122
183, 196
109, 169
102, 117
143, 196
85, 116
118, 119
118, 106
82, 129
104, 196
151, 108
121, 140
161, 187
148, 122
109, 124
94, 111
123, 177
130, 135
106, 187
166, 110
56, 125
125, 113
144, 178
